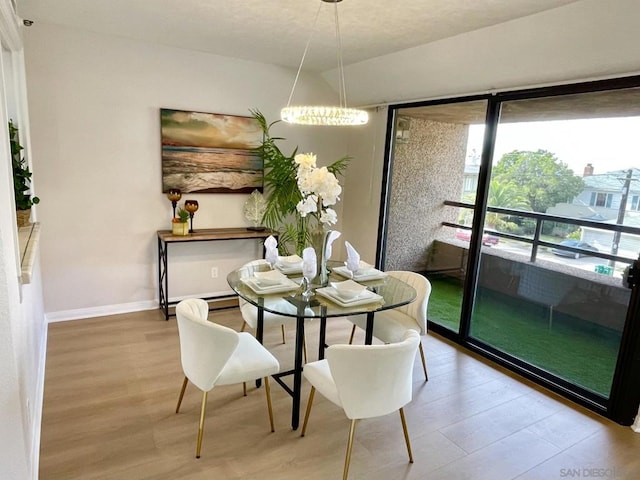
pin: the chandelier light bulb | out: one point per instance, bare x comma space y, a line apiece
321, 115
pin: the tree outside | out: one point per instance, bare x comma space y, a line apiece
505, 195
540, 177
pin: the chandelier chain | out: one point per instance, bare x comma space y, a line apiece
319, 114
304, 54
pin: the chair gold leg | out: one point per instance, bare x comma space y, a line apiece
424, 363
184, 387
267, 389
353, 332
244, 324
347, 459
244, 389
406, 435
306, 415
282, 329
201, 425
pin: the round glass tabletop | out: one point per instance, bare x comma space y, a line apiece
383, 292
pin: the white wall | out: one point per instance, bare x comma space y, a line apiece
582, 40
22, 328
95, 132
362, 186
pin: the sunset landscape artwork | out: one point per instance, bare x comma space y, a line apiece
210, 152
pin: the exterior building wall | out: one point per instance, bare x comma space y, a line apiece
427, 170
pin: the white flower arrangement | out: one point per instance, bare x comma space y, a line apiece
319, 188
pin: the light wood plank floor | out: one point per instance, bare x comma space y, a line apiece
112, 383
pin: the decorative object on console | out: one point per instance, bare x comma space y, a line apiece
180, 224
210, 153
191, 206
325, 115
21, 179
174, 195
254, 209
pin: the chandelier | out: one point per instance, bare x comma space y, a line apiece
318, 114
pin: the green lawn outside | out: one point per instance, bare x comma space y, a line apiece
575, 350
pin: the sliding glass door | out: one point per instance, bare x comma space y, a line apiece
525, 221
551, 295
431, 165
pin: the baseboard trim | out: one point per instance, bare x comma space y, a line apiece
105, 310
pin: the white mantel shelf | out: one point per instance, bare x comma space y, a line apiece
29, 240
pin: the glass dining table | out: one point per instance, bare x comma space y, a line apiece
383, 293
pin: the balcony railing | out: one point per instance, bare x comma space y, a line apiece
539, 219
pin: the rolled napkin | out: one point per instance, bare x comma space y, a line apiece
353, 258
333, 235
271, 250
309, 269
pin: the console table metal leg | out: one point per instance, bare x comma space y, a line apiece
163, 278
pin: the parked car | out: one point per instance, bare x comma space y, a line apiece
574, 244
487, 239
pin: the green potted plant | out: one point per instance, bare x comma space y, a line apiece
180, 224
21, 179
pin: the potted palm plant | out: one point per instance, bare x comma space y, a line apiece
281, 183
21, 179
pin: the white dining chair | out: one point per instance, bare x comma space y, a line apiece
249, 313
389, 326
213, 355
366, 381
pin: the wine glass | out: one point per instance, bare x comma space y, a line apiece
191, 206
174, 195
309, 271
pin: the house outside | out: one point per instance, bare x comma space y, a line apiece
601, 200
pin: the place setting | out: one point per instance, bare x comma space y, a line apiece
356, 269
348, 293
270, 281
289, 264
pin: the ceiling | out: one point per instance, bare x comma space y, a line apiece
276, 31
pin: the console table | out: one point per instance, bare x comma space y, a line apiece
166, 238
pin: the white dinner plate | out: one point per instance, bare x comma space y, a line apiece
367, 296
253, 283
370, 274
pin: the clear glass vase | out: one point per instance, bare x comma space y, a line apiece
318, 239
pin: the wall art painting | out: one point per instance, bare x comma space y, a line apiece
210, 152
